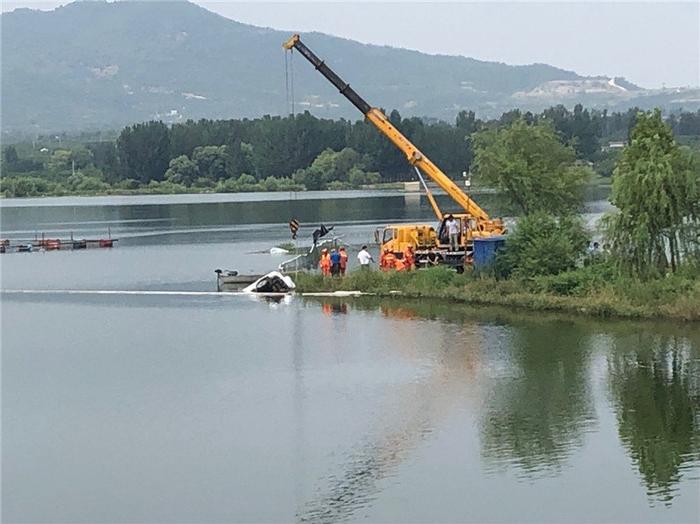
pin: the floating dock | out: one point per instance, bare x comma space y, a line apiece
54, 244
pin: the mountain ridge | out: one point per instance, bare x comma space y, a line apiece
95, 64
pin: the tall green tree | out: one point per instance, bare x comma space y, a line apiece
9, 155
182, 170
212, 161
656, 189
467, 121
144, 151
531, 167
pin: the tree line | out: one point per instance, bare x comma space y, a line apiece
655, 229
293, 152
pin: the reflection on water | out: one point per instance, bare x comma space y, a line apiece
415, 409
655, 384
540, 404
163, 220
367, 464
159, 218
145, 408
230, 408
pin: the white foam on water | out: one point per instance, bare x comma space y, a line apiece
170, 293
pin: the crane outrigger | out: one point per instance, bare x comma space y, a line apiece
474, 221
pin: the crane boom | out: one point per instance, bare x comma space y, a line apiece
382, 123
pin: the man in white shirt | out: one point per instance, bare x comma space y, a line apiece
364, 258
452, 230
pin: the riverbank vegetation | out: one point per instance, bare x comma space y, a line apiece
597, 290
289, 153
649, 262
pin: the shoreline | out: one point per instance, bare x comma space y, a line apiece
604, 302
190, 198
391, 188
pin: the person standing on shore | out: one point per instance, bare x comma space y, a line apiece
364, 258
387, 262
343, 261
325, 263
400, 264
335, 262
409, 258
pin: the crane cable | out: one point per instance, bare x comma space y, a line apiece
286, 82
291, 69
289, 81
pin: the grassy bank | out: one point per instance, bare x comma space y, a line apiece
590, 291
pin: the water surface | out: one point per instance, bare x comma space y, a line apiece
151, 408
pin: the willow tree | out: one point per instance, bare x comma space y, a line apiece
656, 190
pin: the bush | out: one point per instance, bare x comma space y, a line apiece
129, 183
230, 185
165, 187
337, 185
270, 184
578, 281
203, 182
22, 187
358, 177
543, 245
88, 184
311, 178
247, 183
287, 184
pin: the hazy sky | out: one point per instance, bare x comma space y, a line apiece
649, 43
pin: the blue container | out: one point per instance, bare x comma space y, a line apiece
485, 250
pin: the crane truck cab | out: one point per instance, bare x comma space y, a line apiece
424, 238
397, 237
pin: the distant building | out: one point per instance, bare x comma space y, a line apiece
614, 145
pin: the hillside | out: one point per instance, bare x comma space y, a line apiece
103, 65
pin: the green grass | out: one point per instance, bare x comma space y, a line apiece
589, 291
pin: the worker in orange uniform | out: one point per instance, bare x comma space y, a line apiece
409, 258
387, 262
325, 263
382, 259
400, 264
343, 261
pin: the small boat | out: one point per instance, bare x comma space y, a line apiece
227, 280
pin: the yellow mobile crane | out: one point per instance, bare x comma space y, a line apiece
474, 221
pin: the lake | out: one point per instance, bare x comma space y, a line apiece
225, 408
